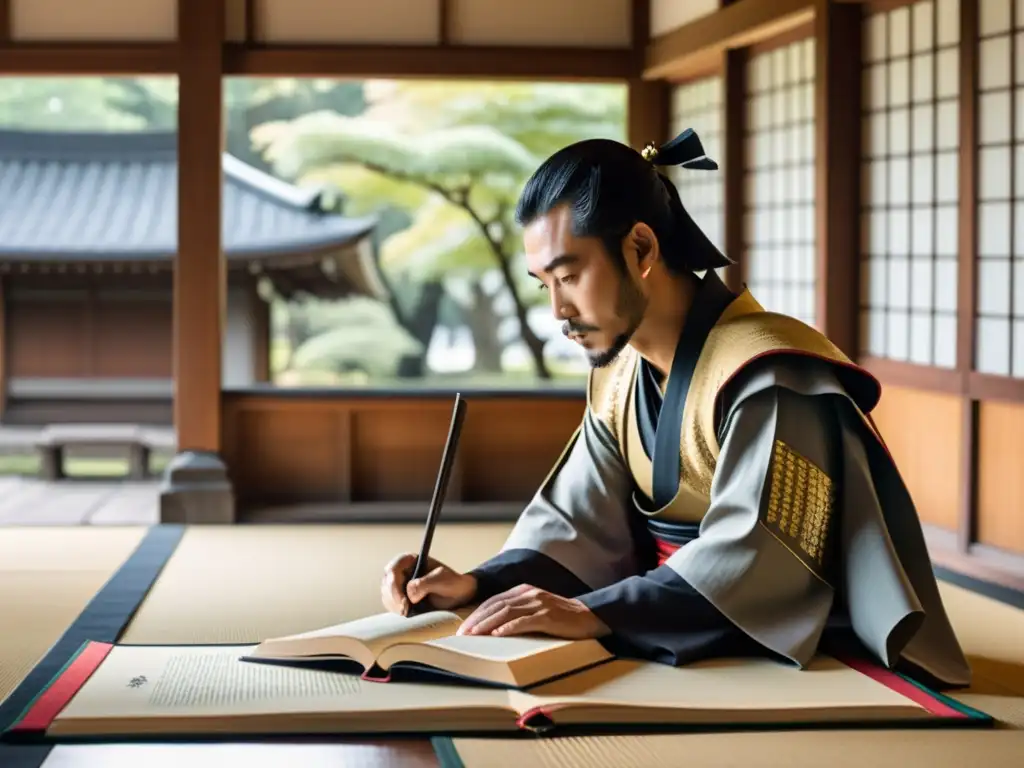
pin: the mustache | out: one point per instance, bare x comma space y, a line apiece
570, 328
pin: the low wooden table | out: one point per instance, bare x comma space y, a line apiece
54, 439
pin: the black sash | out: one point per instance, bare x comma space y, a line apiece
712, 299
102, 620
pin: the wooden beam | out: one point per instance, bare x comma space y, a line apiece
837, 104
252, 22
968, 199
88, 58
444, 15
792, 35
967, 268
736, 25
199, 274
432, 61
735, 130
5, 21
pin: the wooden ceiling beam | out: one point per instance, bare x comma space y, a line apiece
88, 59
432, 61
678, 54
5, 21
464, 62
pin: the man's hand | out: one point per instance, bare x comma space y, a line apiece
444, 588
527, 610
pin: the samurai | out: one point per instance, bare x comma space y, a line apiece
726, 492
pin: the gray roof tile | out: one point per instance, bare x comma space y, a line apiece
113, 196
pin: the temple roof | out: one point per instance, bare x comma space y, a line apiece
81, 196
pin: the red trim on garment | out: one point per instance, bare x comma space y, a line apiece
665, 549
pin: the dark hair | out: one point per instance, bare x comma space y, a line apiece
609, 187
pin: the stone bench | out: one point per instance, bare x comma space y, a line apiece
54, 439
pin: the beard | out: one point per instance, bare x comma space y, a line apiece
630, 306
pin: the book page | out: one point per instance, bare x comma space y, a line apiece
379, 631
209, 681
499, 648
726, 684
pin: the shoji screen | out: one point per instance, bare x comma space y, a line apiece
999, 325
780, 237
699, 105
910, 177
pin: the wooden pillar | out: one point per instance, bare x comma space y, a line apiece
837, 105
196, 486
735, 129
199, 270
648, 112
649, 102
967, 269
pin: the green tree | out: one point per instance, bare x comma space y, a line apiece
354, 335
541, 116
475, 170
69, 103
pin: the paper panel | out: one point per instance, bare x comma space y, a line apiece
234, 20
582, 23
407, 22
667, 15
94, 20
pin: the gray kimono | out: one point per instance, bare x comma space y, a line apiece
805, 536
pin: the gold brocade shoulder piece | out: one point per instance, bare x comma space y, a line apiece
608, 390
747, 332
744, 333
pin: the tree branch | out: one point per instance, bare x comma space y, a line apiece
495, 244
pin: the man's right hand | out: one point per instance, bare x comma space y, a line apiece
442, 587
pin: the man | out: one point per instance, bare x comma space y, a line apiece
726, 492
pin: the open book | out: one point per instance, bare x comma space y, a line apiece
115, 691
388, 647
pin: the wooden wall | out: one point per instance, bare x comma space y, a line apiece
288, 445
88, 333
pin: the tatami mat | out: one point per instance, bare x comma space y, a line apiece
47, 576
778, 749
243, 584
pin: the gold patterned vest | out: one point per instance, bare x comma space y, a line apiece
744, 333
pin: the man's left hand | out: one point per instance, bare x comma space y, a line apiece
528, 610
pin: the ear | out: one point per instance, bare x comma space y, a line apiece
642, 241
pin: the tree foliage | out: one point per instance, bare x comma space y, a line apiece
473, 173
356, 334
543, 117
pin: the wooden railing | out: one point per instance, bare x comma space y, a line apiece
289, 445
